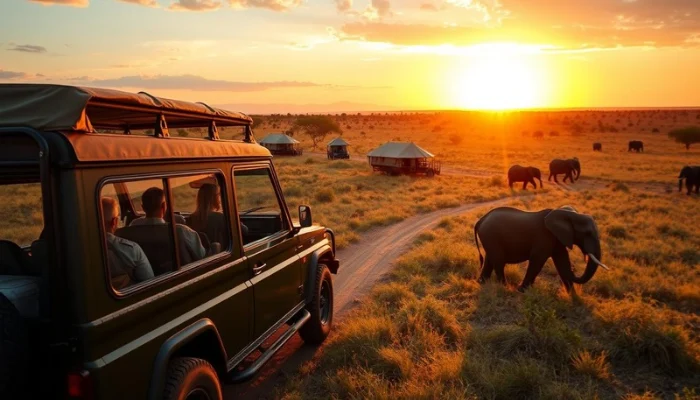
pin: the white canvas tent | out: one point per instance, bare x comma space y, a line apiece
337, 148
403, 157
281, 144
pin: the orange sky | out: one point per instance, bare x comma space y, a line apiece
377, 54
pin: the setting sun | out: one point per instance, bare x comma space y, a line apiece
498, 78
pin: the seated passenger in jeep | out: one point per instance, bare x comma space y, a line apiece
153, 204
128, 263
208, 218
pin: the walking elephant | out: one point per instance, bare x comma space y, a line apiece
692, 179
518, 173
597, 147
571, 168
636, 145
511, 236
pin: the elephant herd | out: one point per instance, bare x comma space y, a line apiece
636, 145
570, 168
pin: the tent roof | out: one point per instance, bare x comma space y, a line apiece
278, 138
83, 109
400, 150
338, 142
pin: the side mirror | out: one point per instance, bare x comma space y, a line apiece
305, 216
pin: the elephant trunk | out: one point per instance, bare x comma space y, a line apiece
591, 267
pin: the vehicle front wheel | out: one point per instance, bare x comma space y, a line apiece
317, 328
192, 379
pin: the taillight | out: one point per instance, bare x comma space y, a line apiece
80, 385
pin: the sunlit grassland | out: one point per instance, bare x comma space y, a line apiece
431, 331
350, 198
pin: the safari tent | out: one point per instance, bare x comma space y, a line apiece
281, 145
337, 148
403, 158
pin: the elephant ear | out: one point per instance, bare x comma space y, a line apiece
560, 223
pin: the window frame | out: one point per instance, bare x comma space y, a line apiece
140, 287
284, 210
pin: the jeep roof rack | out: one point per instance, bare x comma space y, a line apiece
50, 107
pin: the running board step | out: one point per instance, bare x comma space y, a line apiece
246, 374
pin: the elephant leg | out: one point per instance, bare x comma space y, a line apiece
486, 270
510, 183
555, 178
524, 185
534, 267
550, 177
563, 264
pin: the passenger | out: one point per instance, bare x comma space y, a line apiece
153, 204
206, 217
127, 261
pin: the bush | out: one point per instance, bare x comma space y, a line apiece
553, 133
618, 232
325, 195
456, 138
596, 367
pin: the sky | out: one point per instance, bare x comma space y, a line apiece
351, 55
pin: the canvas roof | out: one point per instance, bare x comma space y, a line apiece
278, 138
400, 150
338, 142
60, 108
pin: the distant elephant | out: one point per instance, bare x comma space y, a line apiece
518, 173
692, 179
597, 147
636, 145
511, 236
571, 168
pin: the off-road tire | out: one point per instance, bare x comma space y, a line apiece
14, 351
317, 328
189, 377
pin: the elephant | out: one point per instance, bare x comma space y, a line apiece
597, 147
692, 179
518, 173
570, 167
511, 236
636, 145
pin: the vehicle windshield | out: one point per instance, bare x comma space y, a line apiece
21, 208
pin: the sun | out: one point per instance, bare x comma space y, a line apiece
498, 79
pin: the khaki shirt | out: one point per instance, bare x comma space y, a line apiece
127, 258
185, 235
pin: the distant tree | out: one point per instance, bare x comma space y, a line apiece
687, 136
258, 121
655, 130
316, 126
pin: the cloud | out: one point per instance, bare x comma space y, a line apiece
147, 3
343, 5
28, 48
195, 83
195, 5
10, 75
378, 9
428, 7
73, 3
274, 5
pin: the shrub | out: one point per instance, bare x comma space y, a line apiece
456, 138
293, 191
596, 367
617, 231
310, 160
687, 136
553, 133
325, 195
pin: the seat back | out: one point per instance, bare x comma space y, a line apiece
13, 260
155, 242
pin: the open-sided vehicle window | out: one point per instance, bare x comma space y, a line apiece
21, 208
259, 208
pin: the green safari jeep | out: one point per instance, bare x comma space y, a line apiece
135, 264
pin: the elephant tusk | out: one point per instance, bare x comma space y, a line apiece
598, 262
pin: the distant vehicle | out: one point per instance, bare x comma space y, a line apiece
151, 266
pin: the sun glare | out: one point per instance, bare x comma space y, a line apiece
498, 79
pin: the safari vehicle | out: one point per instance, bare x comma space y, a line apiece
101, 295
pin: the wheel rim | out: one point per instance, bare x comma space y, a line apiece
198, 394
325, 303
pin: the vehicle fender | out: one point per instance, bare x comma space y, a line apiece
203, 330
319, 254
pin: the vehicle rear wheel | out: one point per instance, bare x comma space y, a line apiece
192, 379
14, 351
317, 328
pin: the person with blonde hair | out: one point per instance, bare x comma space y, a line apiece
207, 217
127, 261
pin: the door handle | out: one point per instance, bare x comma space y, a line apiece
259, 268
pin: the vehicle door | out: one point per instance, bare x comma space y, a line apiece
268, 245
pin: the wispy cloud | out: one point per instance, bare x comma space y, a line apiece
196, 83
274, 5
343, 5
28, 48
10, 75
147, 3
72, 3
195, 5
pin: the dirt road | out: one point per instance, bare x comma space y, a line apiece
362, 265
